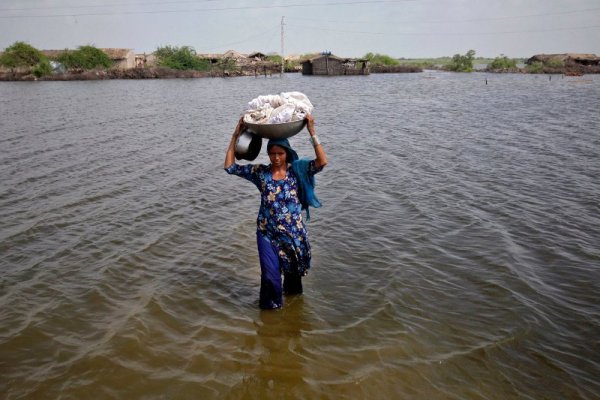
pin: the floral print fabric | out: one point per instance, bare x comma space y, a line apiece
280, 214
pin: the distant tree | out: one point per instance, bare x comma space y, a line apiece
277, 59
503, 62
536, 67
274, 59
555, 63
85, 58
462, 63
381, 59
227, 64
181, 58
43, 68
21, 54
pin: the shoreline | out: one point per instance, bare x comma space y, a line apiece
136, 73
165, 73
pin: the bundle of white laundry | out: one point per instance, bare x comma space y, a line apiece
278, 108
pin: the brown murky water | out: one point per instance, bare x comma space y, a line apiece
456, 255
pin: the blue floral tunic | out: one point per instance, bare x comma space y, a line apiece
280, 214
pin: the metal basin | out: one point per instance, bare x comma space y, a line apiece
247, 146
277, 131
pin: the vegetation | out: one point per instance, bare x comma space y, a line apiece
502, 62
536, 67
21, 61
227, 64
381, 59
443, 62
274, 59
288, 64
23, 55
85, 58
462, 63
180, 58
43, 68
425, 63
554, 63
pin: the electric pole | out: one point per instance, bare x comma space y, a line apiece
282, 56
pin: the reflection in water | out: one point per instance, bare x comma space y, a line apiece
281, 368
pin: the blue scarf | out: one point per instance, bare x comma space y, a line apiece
306, 182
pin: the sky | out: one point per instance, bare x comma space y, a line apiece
347, 28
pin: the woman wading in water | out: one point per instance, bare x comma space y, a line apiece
286, 187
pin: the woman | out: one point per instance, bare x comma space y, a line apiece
286, 187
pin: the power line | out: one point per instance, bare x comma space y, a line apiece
445, 33
461, 20
267, 32
255, 7
108, 5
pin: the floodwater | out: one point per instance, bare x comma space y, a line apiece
456, 255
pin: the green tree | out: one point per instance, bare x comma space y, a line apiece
85, 58
274, 59
277, 59
181, 58
21, 54
381, 59
227, 64
555, 63
462, 63
503, 62
536, 67
43, 68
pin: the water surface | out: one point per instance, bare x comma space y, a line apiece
455, 257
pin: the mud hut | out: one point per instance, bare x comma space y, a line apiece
328, 64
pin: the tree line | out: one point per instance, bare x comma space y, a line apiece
22, 56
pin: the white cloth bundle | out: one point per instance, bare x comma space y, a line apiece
277, 109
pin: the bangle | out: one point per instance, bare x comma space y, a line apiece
315, 140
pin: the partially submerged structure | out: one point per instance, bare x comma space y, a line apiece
575, 58
122, 58
233, 63
230, 55
328, 64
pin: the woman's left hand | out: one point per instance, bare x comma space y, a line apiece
321, 159
310, 124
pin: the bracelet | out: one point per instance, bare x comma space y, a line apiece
315, 140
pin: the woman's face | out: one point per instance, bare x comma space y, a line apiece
278, 156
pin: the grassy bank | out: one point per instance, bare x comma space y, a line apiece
442, 62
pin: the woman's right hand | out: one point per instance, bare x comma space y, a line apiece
239, 128
230, 155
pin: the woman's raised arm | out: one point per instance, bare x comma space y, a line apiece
230, 155
321, 159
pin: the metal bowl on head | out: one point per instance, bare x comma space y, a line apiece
276, 131
247, 146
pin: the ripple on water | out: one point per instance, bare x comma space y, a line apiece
455, 255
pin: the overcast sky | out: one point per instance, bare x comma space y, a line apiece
351, 28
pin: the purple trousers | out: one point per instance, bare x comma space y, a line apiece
271, 291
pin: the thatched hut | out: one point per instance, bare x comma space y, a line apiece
575, 58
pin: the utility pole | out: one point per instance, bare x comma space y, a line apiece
282, 56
